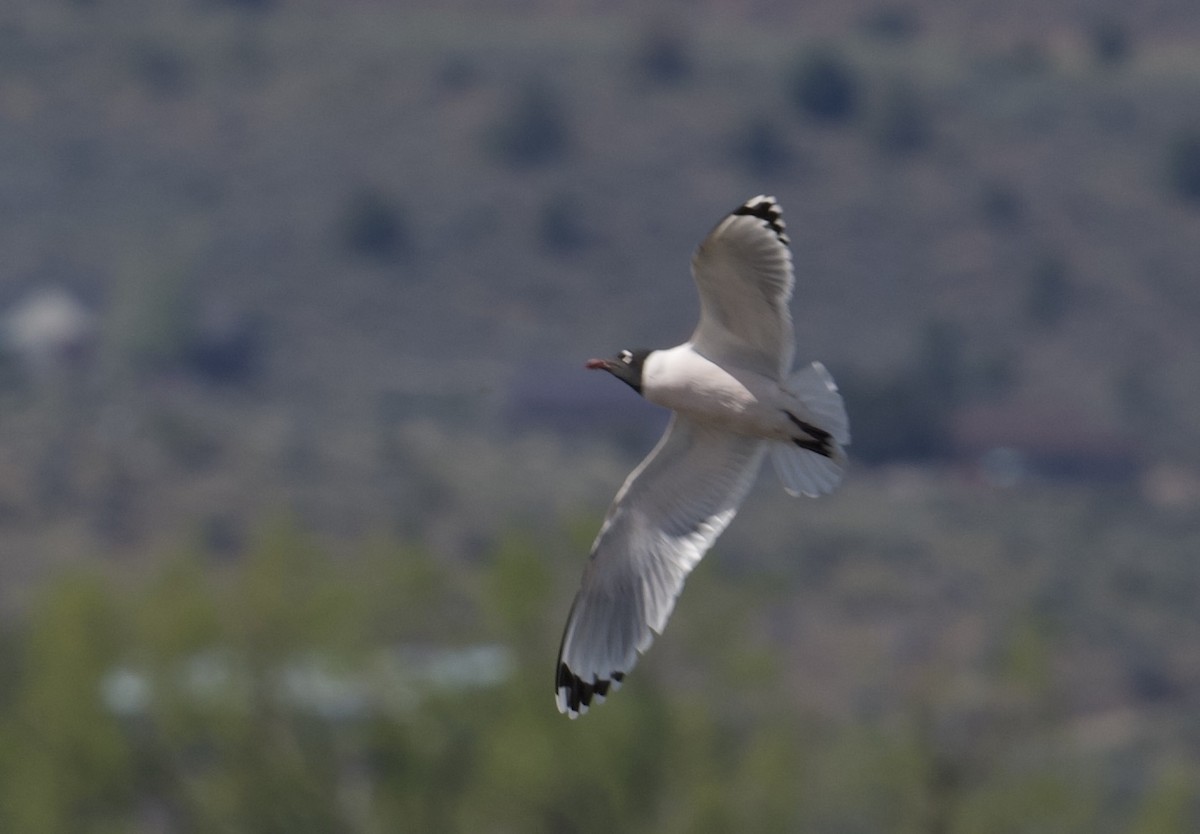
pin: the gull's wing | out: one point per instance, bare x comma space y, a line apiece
743, 270
668, 513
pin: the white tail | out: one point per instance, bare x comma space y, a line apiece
804, 472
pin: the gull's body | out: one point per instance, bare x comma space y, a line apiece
738, 401
734, 402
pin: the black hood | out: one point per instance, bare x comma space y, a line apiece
625, 366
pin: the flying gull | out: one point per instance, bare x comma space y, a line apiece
734, 400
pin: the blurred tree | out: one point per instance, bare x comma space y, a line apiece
409, 595
766, 785
1031, 800
244, 751
151, 317
67, 767
517, 596
1170, 805
290, 598
424, 770
866, 761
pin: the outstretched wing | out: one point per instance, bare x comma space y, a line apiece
743, 270
665, 517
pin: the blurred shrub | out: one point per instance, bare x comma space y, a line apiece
162, 70
151, 317
184, 439
1111, 42
228, 347
1183, 166
905, 415
373, 226
560, 229
891, 24
533, 130
895, 417
458, 73
282, 694
1001, 204
825, 86
66, 765
902, 125
761, 149
1169, 806
663, 57
1049, 295
247, 5
1140, 396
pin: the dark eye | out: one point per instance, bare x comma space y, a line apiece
625, 356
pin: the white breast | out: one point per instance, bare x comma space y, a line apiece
743, 402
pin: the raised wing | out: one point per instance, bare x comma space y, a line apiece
665, 517
743, 270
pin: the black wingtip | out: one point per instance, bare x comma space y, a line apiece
575, 695
767, 210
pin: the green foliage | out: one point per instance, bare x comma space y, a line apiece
518, 586
1170, 805
224, 733
66, 765
887, 766
289, 598
151, 318
176, 615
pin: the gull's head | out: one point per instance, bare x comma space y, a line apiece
625, 366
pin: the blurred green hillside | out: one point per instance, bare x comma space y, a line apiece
294, 693
340, 263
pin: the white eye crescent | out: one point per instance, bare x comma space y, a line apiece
625, 356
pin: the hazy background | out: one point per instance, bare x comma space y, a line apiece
299, 465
